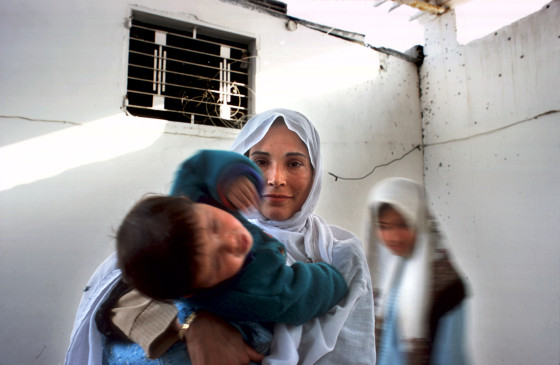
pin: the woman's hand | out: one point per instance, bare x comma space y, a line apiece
243, 194
212, 341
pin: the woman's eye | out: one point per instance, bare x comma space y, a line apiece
259, 162
295, 164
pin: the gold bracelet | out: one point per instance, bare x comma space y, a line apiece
186, 325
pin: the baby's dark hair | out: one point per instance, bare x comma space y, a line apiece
156, 246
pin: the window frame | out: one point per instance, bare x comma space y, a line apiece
204, 31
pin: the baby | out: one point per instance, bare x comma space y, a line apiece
195, 245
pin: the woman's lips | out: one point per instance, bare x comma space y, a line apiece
276, 197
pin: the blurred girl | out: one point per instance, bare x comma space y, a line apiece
420, 303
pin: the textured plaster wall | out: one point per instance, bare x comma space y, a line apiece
491, 127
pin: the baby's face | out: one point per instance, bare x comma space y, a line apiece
224, 244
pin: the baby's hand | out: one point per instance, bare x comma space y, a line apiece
243, 195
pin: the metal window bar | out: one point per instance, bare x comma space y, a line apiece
217, 69
219, 93
191, 63
228, 82
224, 99
243, 96
206, 102
186, 37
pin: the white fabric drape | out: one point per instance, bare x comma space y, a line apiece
345, 335
85, 341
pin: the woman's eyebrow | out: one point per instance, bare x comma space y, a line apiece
291, 154
287, 154
259, 153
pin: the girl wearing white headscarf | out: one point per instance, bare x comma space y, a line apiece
419, 301
345, 335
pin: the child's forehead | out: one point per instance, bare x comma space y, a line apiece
203, 212
200, 222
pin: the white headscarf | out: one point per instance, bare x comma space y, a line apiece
408, 198
304, 230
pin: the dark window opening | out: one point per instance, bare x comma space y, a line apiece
188, 76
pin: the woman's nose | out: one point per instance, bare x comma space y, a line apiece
276, 176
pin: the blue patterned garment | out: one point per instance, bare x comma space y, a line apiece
116, 352
389, 352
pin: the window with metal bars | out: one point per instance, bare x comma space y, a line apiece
189, 75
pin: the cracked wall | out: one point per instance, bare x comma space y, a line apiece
491, 133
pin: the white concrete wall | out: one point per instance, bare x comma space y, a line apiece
492, 155
72, 163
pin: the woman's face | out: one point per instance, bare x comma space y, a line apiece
393, 231
285, 163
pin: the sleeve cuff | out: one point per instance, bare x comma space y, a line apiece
152, 329
231, 173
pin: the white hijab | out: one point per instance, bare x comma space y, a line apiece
409, 199
345, 335
304, 230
